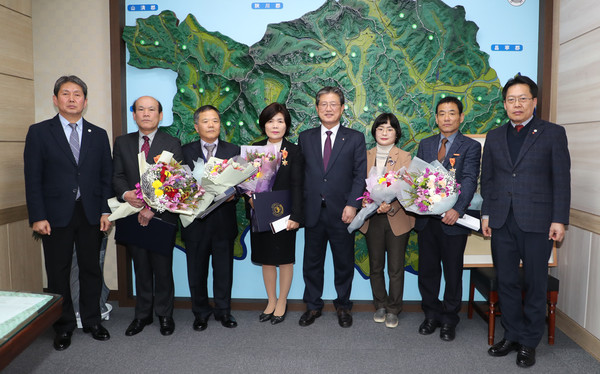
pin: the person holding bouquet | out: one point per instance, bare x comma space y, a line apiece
153, 271
390, 227
279, 250
441, 241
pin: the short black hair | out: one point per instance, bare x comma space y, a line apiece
330, 89
270, 111
450, 99
205, 108
135, 102
72, 79
384, 118
520, 79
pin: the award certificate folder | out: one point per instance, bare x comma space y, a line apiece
269, 207
219, 199
158, 236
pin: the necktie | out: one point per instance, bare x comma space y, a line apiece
327, 149
518, 127
442, 151
74, 141
146, 145
209, 150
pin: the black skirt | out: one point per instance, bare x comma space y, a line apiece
273, 249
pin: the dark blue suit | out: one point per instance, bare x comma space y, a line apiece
522, 197
52, 177
441, 243
326, 193
213, 235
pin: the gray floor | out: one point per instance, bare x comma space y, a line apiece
323, 347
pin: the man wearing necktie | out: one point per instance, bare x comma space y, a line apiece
334, 178
526, 189
212, 235
67, 183
441, 241
154, 286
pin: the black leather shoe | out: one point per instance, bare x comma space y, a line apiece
308, 317
447, 332
428, 326
264, 317
137, 325
167, 325
278, 319
98, 332
525, 356
227, 320
200, 323
62, 340
503, 347
344, 317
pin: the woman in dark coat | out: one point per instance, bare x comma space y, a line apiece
278, 250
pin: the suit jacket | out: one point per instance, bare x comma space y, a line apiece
467, 155
290, 177
126, 169
537, 185
52, 176
400, 221
223, 220
344, 180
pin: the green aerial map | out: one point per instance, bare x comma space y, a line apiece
398, 56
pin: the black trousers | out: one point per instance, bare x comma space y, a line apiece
342, 250
58, 255
437, 249
523, 320
154, 286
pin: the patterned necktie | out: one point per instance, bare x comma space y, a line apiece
146, 145
518, 127
209, 150
327, 149
74, 141
442, 151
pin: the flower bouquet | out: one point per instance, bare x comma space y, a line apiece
380, 188
165, 185
266, 159
428, 188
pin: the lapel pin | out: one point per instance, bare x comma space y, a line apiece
534, 131
89, 130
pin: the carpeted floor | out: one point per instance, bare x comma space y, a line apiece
323, 347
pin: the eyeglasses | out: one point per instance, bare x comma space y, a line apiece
324, 105
522, 100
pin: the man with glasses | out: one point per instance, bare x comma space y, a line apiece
525, 184
335, 168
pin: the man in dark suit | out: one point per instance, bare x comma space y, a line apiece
213, 235
442, 241
525, 184
334, 177
153, 270
67, 184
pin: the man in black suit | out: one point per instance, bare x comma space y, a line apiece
526, 189
442, 241
67, 184
334, 177
153, 270
213, 235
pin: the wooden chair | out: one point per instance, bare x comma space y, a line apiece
484, 280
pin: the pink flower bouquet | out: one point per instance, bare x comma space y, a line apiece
267, 161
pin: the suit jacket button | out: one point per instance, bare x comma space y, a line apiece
74, 191
514, 175
325, 180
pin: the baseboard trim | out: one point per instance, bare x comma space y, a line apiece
578, 334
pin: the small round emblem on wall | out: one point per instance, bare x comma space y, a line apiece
516, 2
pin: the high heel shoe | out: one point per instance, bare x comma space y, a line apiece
264, 317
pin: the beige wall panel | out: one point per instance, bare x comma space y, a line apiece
110, 263
585, 175
579, 80
578, 17
16, 111
5, 283
573, 272
21, 6
592, 322
25, 258
12, 183
16, 44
